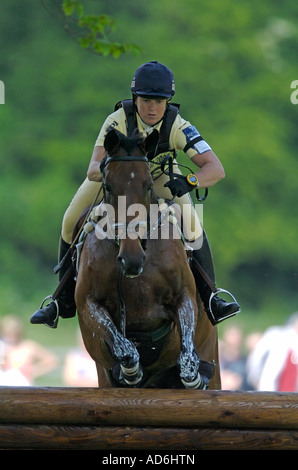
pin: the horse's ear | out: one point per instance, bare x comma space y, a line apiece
112, 141
151, 141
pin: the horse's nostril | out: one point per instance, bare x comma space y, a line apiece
121, 261
131, 269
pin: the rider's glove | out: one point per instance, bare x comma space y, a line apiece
182, 184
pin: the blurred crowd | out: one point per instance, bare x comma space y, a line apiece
262, 361
23, 361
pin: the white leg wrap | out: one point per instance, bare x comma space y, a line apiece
132, 375
195, 384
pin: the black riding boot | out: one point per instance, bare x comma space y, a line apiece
64, 305
220, 309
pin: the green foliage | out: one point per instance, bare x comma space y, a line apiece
233, 62
95, 30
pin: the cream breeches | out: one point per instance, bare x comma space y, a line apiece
88, 190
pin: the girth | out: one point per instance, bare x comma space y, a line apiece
153, 335
150, 343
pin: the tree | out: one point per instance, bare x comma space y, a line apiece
91, 31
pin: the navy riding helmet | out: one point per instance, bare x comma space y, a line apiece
153, 79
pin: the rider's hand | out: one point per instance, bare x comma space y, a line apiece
182, 184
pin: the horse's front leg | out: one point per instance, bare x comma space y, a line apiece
189, 360
122, 349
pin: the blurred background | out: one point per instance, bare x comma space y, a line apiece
233, 62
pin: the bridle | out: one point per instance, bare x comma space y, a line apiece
126, 227
122, 158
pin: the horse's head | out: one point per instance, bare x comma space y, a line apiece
127, 185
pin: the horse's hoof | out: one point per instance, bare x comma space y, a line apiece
132, 375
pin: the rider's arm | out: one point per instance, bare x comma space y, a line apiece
117, 121
186, 137
211, 170
93, 172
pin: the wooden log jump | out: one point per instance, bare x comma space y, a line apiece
146, 419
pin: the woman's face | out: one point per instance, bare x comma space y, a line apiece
150, 110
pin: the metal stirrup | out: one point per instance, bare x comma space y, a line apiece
57, 308
210, 308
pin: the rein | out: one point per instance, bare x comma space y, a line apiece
70, 269
168, 160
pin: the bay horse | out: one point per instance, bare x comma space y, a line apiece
141, 319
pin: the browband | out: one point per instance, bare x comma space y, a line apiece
123, 158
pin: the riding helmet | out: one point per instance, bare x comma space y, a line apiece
153, 79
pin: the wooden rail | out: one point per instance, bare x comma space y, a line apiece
146, 419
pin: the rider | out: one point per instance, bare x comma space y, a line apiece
152, 88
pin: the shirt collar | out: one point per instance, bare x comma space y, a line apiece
145, 127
